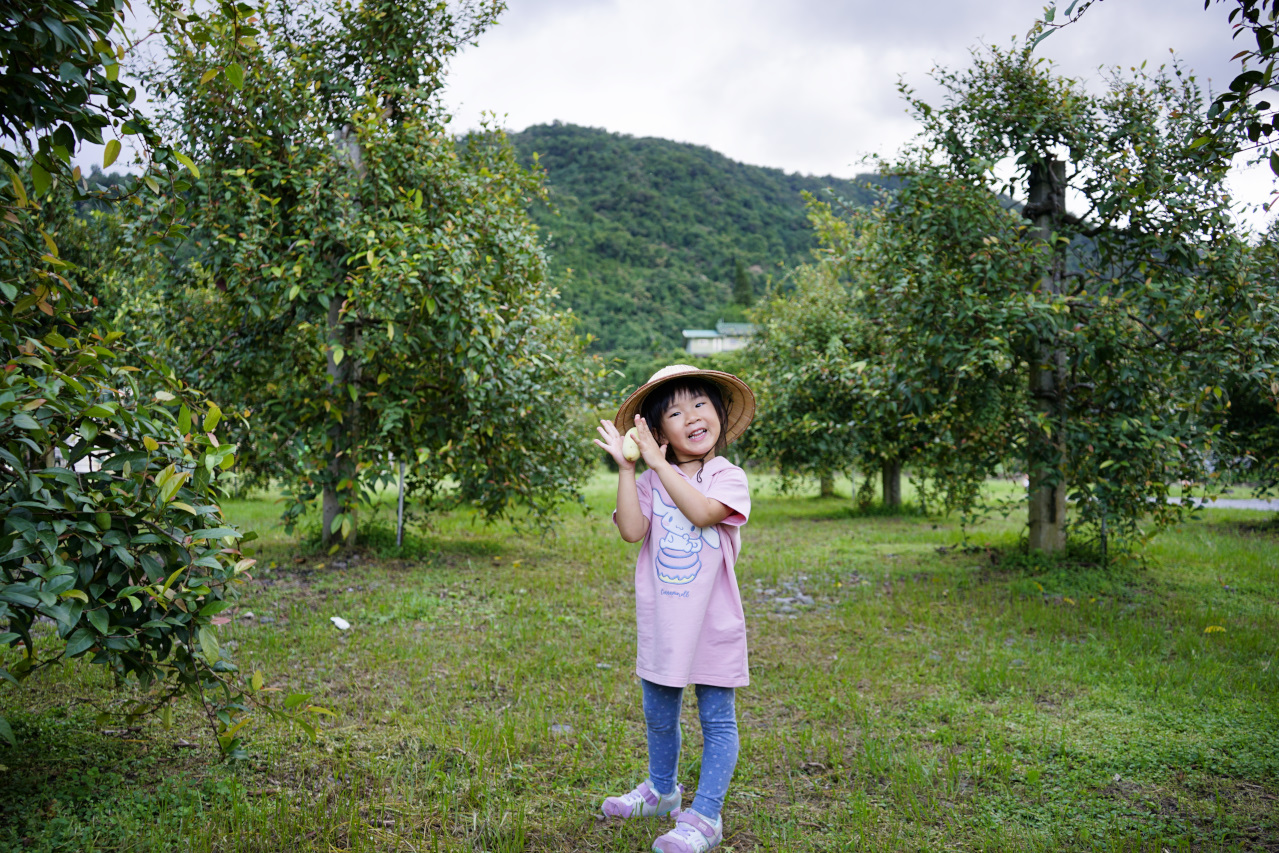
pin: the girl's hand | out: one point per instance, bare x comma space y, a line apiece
652, 453
612, 442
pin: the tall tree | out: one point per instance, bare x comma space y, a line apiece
837, 400
108, 462
1122, 323
373, 288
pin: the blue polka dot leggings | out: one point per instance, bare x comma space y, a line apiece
715, 707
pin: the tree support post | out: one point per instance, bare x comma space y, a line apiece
1046, 447
399, 511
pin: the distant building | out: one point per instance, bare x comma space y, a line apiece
725, 337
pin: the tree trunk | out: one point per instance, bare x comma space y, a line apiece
892, 477
343, 433
828, 485
343, 374
1045, 446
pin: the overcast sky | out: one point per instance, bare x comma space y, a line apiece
802, 85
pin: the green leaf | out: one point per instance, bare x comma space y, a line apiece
112, 152
235, 75
99, 620
173, 577
24, 421
184, 420
40, 179
295, 699
79, 642
20, 191
212, 417
6, 732
188, 162
215, 533
209, 645
174, 483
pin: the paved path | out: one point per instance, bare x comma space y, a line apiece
1235, 503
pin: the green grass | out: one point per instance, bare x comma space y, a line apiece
940, 693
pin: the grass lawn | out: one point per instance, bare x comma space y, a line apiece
910, 691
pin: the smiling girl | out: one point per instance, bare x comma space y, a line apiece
687, 509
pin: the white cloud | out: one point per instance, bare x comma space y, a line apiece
805, 85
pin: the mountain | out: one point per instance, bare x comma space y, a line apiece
653, 230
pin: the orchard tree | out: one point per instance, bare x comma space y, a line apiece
838, 399
1240, 119
1121, 324
108, 462
1251, 451
806, 427
368, 287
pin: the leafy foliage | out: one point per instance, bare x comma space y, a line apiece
1161, 301
841, 394
368, 287
108, 462
1251, 447
809, 340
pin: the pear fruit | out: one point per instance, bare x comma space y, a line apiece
629, 448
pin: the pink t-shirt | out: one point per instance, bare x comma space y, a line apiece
688, 611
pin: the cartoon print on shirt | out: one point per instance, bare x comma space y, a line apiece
678, 561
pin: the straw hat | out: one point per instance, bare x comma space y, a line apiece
739, 402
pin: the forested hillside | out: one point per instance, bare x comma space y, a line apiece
653, 230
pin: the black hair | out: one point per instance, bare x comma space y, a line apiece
661, 397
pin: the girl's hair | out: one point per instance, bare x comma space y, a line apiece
661, 398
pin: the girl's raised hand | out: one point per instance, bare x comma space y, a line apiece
652, 453
612, 442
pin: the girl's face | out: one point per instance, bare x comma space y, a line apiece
691, 426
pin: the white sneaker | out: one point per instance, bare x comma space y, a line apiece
692, 834
643, 802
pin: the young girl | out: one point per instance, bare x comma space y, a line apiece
687, 509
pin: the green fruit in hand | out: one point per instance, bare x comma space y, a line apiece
629, 448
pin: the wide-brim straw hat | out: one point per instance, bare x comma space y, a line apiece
739, 401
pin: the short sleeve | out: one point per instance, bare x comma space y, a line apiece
645, 495
729, 487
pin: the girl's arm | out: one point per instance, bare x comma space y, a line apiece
631, 522
697, 508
